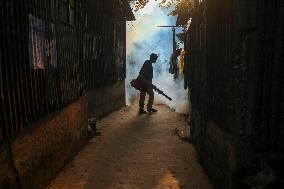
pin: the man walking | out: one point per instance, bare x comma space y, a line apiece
146, 75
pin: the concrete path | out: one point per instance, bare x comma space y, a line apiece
135, 152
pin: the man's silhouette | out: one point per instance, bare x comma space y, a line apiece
146, 75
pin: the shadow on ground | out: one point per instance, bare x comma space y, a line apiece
134, 151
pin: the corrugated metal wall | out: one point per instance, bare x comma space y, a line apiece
268, 77
28, 92
235, 76
105, 30
51, 51
235, 57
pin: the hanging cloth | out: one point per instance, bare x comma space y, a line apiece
181, 62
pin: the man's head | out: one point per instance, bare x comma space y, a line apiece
153, 57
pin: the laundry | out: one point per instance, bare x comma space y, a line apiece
181, 62
173, 62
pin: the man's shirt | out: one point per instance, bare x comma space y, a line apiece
147, 70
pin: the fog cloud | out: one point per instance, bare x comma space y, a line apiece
144, 38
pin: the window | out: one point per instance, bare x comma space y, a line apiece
67, 11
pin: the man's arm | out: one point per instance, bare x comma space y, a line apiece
154, 87
142, 77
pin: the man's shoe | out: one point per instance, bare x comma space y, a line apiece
141, 111
152, 110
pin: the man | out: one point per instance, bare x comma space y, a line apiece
146, 75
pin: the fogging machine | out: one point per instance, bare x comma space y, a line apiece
142, 84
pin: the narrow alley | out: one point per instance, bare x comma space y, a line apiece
71, 68
135, 152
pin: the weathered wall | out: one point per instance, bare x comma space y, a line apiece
8, 174
106, 99
224, 155
104, 69
104, 46
236, 86
38, 153
85, 49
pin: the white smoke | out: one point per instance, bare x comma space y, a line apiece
144, 38
174, 89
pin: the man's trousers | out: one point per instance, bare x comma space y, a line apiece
150, 92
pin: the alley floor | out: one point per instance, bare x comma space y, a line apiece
135, 152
